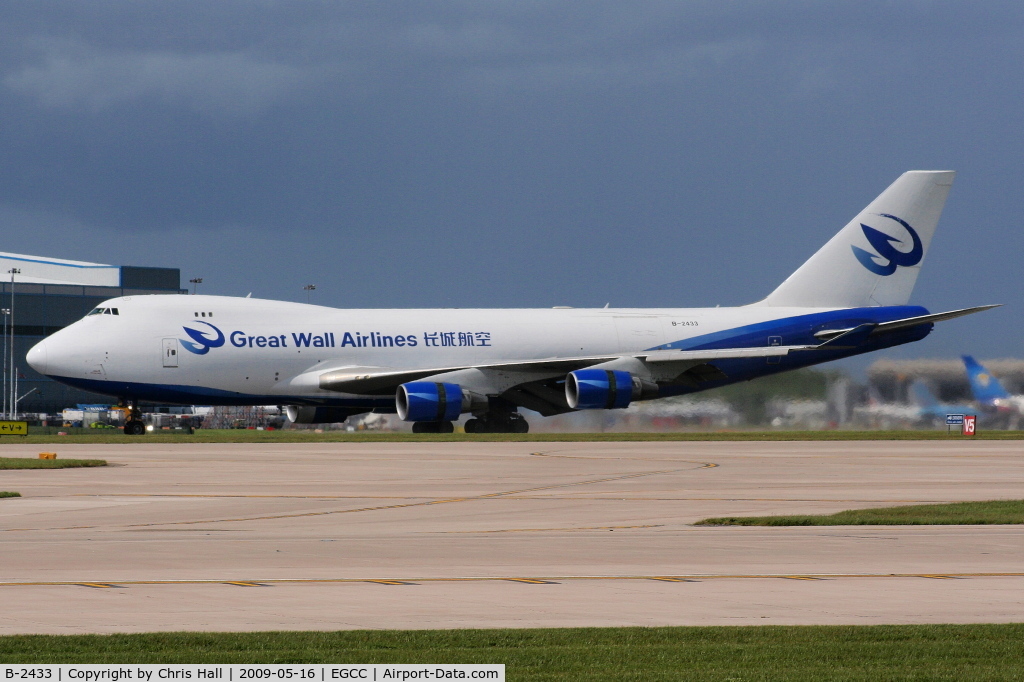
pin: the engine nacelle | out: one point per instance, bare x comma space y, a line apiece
431, 401
598, 389
606, 389
310, 414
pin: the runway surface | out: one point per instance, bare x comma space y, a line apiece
421, 535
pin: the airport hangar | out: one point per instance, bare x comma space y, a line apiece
51, 293
947, 377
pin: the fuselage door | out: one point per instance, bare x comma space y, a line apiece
170, 352
774, 341
638, 332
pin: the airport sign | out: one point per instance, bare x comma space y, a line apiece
9, 428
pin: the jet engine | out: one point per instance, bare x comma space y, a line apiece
309, 414
430, 401
605, 389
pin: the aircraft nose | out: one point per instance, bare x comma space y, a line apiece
36, 357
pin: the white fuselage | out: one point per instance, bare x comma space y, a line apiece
277, 350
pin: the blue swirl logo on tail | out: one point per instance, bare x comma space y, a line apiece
883, 244
202, 343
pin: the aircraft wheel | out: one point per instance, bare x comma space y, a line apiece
433, 427
135, 428
520, 426
473, 426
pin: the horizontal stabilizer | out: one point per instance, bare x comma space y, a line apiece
907, 322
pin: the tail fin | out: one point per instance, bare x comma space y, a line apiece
875, 259
986, 388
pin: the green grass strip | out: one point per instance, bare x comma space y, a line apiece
957, 514
29, 463
918, 652
4, 493
106, 437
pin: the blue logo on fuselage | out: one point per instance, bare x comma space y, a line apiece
202, 343
883, 244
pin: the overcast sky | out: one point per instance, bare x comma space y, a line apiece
513, 154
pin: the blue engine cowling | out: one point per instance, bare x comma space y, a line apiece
598, 389
428, 401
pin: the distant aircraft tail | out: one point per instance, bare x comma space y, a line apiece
986, 388
875, 259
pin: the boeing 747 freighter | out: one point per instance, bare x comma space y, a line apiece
431, 366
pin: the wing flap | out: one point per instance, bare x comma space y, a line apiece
701, 356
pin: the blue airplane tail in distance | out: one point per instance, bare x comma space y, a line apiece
986, 388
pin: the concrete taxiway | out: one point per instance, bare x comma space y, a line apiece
442, 535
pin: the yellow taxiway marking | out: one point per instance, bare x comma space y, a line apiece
253, 497
696, 577
245, 583
420, 503
704, 465
548, 530
468, 498
390, 582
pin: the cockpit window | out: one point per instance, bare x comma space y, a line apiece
103, 311
95, 311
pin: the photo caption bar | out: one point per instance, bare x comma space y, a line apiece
313, 672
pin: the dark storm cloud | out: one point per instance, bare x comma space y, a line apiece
153, 115
504, 153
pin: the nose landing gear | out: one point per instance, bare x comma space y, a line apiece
133, 425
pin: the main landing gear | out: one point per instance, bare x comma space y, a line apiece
498, 422
433, 427
133, 425
491, 422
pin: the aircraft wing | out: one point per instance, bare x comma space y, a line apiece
382, 380
534, 383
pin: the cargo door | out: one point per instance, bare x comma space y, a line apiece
170, 352
638, 332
